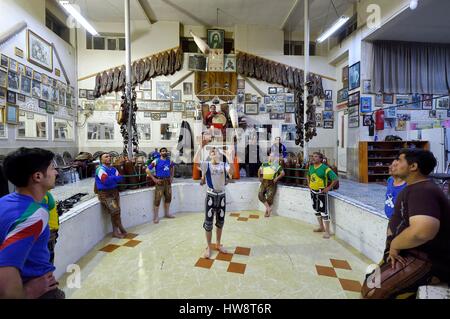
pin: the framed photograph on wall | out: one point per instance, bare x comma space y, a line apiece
40, 52
176, 95
12, 114
442, 103
241, 84
354, 99
290, 107
272, 90
197, 62
388, 98
342, 95
187, 88
367, 86
328, 125
273, 116
345, 77
21, 97
366, 104
367, 120
3, 78
82, 94
50, 108
216, 38
427, 102
13, 81
163, 90
353, 121
178, 106
229, 63
328, 95
4, 62
403, 101
42, 104
391, 113
13, 65
11, 97
18, 52
155, 116
379, 100
354, 76
328, 116
3, 93
29, 72
90, 95
328, 106
25, 85
251, 108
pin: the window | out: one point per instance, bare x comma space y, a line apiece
100, 131
32, 125
3, 130
57, 26
62, 129
107, 41
297, 48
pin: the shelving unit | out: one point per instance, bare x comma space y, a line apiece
375, 158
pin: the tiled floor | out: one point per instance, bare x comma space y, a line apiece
272, 257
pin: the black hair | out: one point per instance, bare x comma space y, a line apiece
320, 155
101, 155
20, 164
163, 148
425, 160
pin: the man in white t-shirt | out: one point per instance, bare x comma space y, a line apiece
214, 174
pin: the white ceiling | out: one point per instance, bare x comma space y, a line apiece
430, 22
192, 12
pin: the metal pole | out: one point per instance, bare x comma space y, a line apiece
305, 92
128, 76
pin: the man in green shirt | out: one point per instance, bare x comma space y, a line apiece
269, 174
319, 177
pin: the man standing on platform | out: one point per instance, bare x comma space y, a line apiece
161, 171
319, 177
269, 174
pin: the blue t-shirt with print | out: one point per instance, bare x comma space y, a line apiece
161, 167
391, 195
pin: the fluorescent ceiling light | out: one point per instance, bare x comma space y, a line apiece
342, 20
77, 15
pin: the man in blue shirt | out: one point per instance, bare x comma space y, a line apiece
278, 149
394, 186
106, 179
25, 268
161, 171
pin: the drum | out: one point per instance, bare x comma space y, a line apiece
130, 169
219, 121
119, 165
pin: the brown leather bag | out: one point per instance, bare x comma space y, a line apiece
394, 281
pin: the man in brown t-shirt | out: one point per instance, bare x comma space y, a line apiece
421, 219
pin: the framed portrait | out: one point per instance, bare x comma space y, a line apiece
432, 114
319, 117
241, 84
353, 121
251, 108
44, 79
197, 62
4, 61
272, 90
82, 94
21, 97
342, 95
37, 76
18, 52
11, 97
328, 106
55, 95
12, 114
90, 95
427, 102
21, 69
403, 101
391, 113
25, 85
353, 111
379, 100
388, 98
345, 77
401, 125
147, 85
146, 95
442, 103
216, 38
328, 116
45, 92
176, 95
354, 99
3, 78
229, 64
190, 105
163, 90
42, 104
178, 106
367, 120
13, 65
40, 52
13, 80
262, 108
319, 124
290, 97
328, 95
187, 88
366, 104
290, 107
50, 108
367, 86
3, 94
328, 125
354, 76
248, 97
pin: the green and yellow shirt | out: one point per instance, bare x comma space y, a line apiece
319, 177
49, 203
270, 170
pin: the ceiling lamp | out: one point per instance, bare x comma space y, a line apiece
342, 20
413, 4
74, 13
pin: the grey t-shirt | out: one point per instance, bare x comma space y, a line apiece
215, 175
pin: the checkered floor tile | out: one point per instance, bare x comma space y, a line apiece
233, 267
130, 242
346, 284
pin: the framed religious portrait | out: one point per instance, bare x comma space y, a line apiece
12, 114
251, 108
216, 38
40, 52
354, 76
229, 64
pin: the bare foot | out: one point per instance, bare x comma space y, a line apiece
169, 216
207, 253
123, 231
319, 230
267, 214
326, 235
156, 220
221, 249
118, 235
